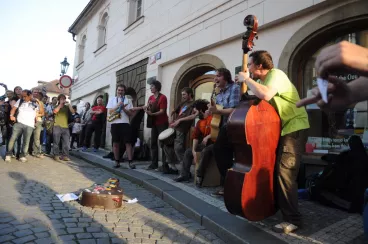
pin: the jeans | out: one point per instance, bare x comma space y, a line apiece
179, 145
61, 134
48, 143
97, 128
175, 153
17, 146
155, 131
82, 135
206, 154
75, 138
19, 130
223, 152
37, 149
4, 134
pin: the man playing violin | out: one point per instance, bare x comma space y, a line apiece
274, 86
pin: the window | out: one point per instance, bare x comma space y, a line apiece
102, 31
81, 49
139, 9
135, 10
331, 130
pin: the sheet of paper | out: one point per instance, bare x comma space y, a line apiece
322, 86
132, 200
67, 197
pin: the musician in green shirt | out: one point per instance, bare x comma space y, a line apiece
274, 86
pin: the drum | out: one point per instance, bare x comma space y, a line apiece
167, 137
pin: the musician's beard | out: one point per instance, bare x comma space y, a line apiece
201, 115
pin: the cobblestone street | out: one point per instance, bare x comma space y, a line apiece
31, 213
322, 224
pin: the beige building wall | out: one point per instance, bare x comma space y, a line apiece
180, 31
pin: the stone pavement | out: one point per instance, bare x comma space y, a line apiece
31, 213
321, 224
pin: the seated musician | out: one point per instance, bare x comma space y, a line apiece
229, 98
274, 86
183, 120
201, 143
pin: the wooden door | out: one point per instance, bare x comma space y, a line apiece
202, 88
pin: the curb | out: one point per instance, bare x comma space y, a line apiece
228, 227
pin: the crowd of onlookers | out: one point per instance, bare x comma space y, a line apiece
33, 125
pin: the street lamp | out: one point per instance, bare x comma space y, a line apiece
64, 67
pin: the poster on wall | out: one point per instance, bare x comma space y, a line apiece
153, 59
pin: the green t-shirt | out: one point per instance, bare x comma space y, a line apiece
61, 118
292, 118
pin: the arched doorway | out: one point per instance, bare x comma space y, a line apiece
203, 86
197, 73
347, 22
191, 71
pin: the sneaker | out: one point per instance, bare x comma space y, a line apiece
23, 159
170, 171
13, 156
182, 178
39, 156
65, 158
8, 159
131, 165
95, 150
57, 158
109, 155
284, 227
152, 166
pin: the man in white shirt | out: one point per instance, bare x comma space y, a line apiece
120, 127
25, 123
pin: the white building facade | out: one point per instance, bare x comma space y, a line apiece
178, 41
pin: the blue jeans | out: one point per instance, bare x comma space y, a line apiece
17, 146
37, 149
20, 129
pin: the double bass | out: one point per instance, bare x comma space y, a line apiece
254, 130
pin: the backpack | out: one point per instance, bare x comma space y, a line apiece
343, 182
16, 113
3, 115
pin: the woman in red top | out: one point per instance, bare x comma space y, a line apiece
98, 114
156, 108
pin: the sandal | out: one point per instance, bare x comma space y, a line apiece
131, 165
